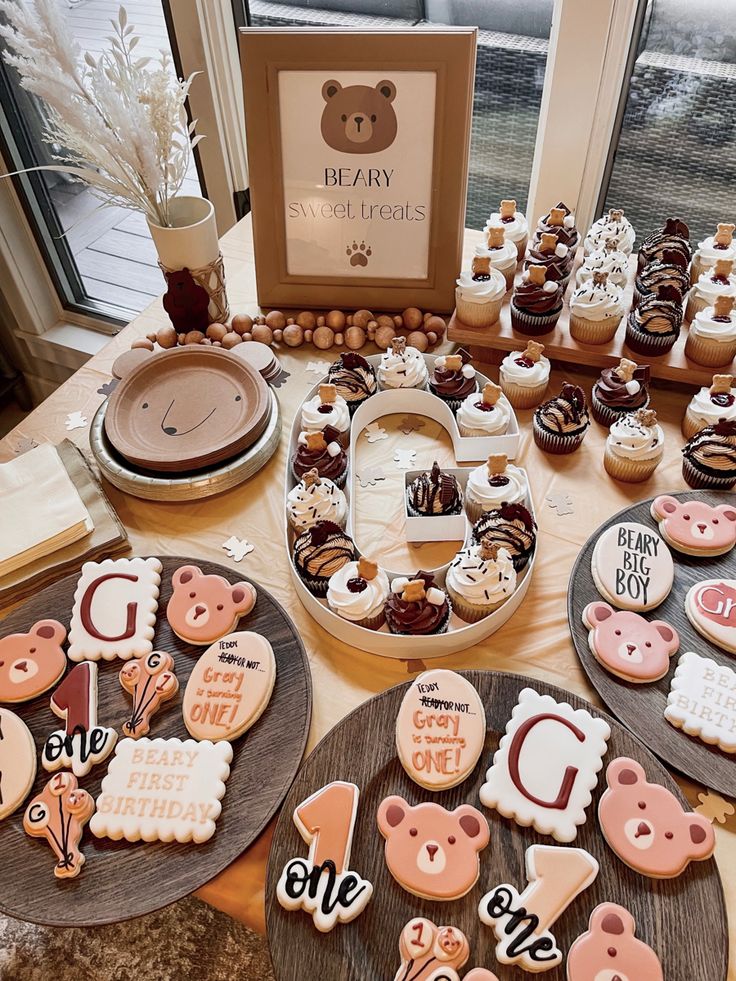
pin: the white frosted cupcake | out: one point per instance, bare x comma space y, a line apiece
634, 447
710, 405
596, 309
493, 484
480, 292
613, 228
610, 261
402, 367
327, 408
717, 281
502, 253
514, 224
524, 376
480, 579
711, 340
713, 248
485, 413
358, 593
315, 499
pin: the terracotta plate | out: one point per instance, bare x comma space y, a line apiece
187, 408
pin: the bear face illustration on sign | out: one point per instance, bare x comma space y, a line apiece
359, 118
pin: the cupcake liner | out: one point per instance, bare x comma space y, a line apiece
521, 245
533, 324
316, 586
355, 404
696, 268
606, 415
395, 388
694, 305
594, 331
709, 352
470, 612
478, 314
699, 480
557, 443
523, 396
629, 471
337, 481
509, 275
692, 424
650, 344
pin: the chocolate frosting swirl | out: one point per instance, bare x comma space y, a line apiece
567, 413
533, 298
452, 384
713, 449
327, 466
352, 376
323, 550
418, 617
558, 267
512, 527
657, 314
568, 236
610, 389
435, 493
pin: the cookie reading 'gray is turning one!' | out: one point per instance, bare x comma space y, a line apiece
632, 567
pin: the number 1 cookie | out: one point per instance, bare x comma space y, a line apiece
81, 743
59, 814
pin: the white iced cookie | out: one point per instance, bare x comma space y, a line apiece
17, 762
702, 701
632, 567
82, 742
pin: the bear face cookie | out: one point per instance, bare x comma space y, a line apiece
694, 527
431, 952
702, 701
31, 663
647, 827
17, 762
632, 567
629, 646
204, 608
711, 608
358, 118
432, 852
609, 950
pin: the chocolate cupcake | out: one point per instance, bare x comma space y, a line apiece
560, 222
536, 303
320, 552
323, 453
673, 236
560, 423
670, 270
417, 607
434, 493
453, 378
354, 379
709, 458
556, 258
620, 390
654, 326
511, 527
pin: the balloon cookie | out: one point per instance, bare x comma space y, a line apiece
702, 701
432, 852
647, 827
229, 687
17, 762
629, 646
31, 663
632, 567
480, 974
546, 765
431, 953
114, 611
440, 729
59, 814
323, 884
204, 608
151, 681
522, 921
81, 743
711, 608
694, 527
609, 950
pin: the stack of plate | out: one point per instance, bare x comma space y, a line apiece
261, 357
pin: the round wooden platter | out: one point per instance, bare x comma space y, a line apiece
362, 749
122, 880
641, 706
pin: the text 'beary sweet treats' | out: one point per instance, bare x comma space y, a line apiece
647, 827
610, 949
632, 567
59, 814
204, 608
114, 610
323, 884
521, 921
17, 762
31, 663
229, 687
702, 701
430, 851
151, 682
428, 951
711, 608
628, 645
82, 742
694, 527
163, 790
440, 729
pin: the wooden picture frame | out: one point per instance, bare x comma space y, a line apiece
375, 217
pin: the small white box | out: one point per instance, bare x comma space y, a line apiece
437, 527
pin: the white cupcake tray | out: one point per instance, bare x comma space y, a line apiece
459, 635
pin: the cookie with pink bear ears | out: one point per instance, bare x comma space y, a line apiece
694, 527
610, 950
629, 646
204, 608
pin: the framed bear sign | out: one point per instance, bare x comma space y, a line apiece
358, 146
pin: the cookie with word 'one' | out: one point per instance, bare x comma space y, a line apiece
702, 701
440, 729
711, 608
204, 608
322, 884
609, 949
59, 814
632, 567
17, 762
82, 743
628, 645
694, 527
431, 952
33, 662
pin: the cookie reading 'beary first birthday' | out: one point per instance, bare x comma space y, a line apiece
711, 608
609, 950
702, 701
632, 567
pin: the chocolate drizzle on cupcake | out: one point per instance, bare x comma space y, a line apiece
321, 551
435, 493
567, 413
353, 377
511, 527
658, 313
713, 450
670, 271
416, 606
673, 237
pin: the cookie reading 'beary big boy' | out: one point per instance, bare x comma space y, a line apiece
204, 608
632, 567
629, 646
609, 950
31, 663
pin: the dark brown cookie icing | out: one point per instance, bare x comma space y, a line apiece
531, 297
713, 449
327, 465
353, 377
615, 391
435, 493
674, 237
566, 414
417, 617
511, 527
322, 550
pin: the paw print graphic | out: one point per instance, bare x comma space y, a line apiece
359, 254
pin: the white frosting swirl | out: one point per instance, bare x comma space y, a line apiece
482, 582
489, 496
596, 301
314, 421
503, 259
515, 230
605, 230
406, 370
630, 439
708, 289
716, 330
356, 606
519, 374
323, 501
472, 291
616, 264
708, 254
495, 421
702, 406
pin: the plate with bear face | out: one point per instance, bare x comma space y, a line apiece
187, 408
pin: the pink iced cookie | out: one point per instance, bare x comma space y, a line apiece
432, 852
480, 974
711, 608
204, 608
31, 663
632, 567
646, 826
151, 681
629, 646
430, 952
59, 814
609, 950
694, 527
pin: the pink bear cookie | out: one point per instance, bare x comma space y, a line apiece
204, 608
629, 646
647, 827
431, 953
609, 951
31, 663
694, 527
432, 852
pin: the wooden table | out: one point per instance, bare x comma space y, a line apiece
536, 642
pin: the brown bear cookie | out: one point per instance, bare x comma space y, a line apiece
358, 118
31, 663
204, 608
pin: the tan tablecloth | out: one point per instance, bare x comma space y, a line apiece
535, 642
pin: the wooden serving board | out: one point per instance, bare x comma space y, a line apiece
122, 880
362, 749
641, 706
